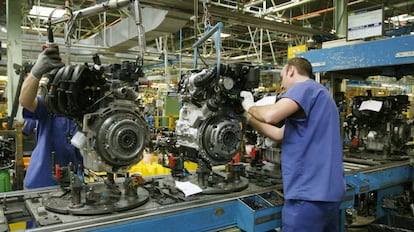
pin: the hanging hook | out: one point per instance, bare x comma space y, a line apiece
141, 31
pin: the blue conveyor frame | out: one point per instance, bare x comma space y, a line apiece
384, 180
217, 215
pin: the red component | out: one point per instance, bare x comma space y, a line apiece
58, 171
139, 179
253, 152
171, 161
355, 142
236, 158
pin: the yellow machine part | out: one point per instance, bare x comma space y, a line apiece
17, 226
146, 167
151, 167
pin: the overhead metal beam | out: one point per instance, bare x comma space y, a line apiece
93, 10
232, 17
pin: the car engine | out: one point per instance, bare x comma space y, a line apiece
379, 123
209, 125
103, 100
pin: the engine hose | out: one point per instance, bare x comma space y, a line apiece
212, 105
203, 79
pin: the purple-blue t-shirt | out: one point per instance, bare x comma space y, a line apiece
312, 165
53, 135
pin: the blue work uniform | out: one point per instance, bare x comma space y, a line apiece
53, 137
29, 126
312, 164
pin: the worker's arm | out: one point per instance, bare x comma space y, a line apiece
274, 113
47, 60
28, 93
266, 129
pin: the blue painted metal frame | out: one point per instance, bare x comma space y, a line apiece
266, 218
385, 182
236, 212
390, 191
216, 31
217, 216
386, 52
366, 182
197, 219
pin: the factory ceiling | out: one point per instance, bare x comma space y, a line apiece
259, 31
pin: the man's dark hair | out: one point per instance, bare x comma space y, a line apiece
303, 66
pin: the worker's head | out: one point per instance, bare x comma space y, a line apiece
295, 69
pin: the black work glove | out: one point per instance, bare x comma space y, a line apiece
47, 60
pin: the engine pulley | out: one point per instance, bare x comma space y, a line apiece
220, 138
120, 139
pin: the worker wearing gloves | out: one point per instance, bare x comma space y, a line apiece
53, 132
312, 167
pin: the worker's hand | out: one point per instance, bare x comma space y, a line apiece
247, 101
48, 60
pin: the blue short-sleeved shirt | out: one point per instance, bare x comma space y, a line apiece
53, 135
312, 165
29, 127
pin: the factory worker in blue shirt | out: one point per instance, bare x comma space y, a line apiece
312, 167
53, 132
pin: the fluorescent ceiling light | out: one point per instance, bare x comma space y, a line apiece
44, 12
275, 18
33, 28
402, 18
224, 35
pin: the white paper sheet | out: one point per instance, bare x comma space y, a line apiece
371, 105
266, 101
188, 188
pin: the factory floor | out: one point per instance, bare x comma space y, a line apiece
235, 229
360, 225
362, 229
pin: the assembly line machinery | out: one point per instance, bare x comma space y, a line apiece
209, 132
112, 136
103, 101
